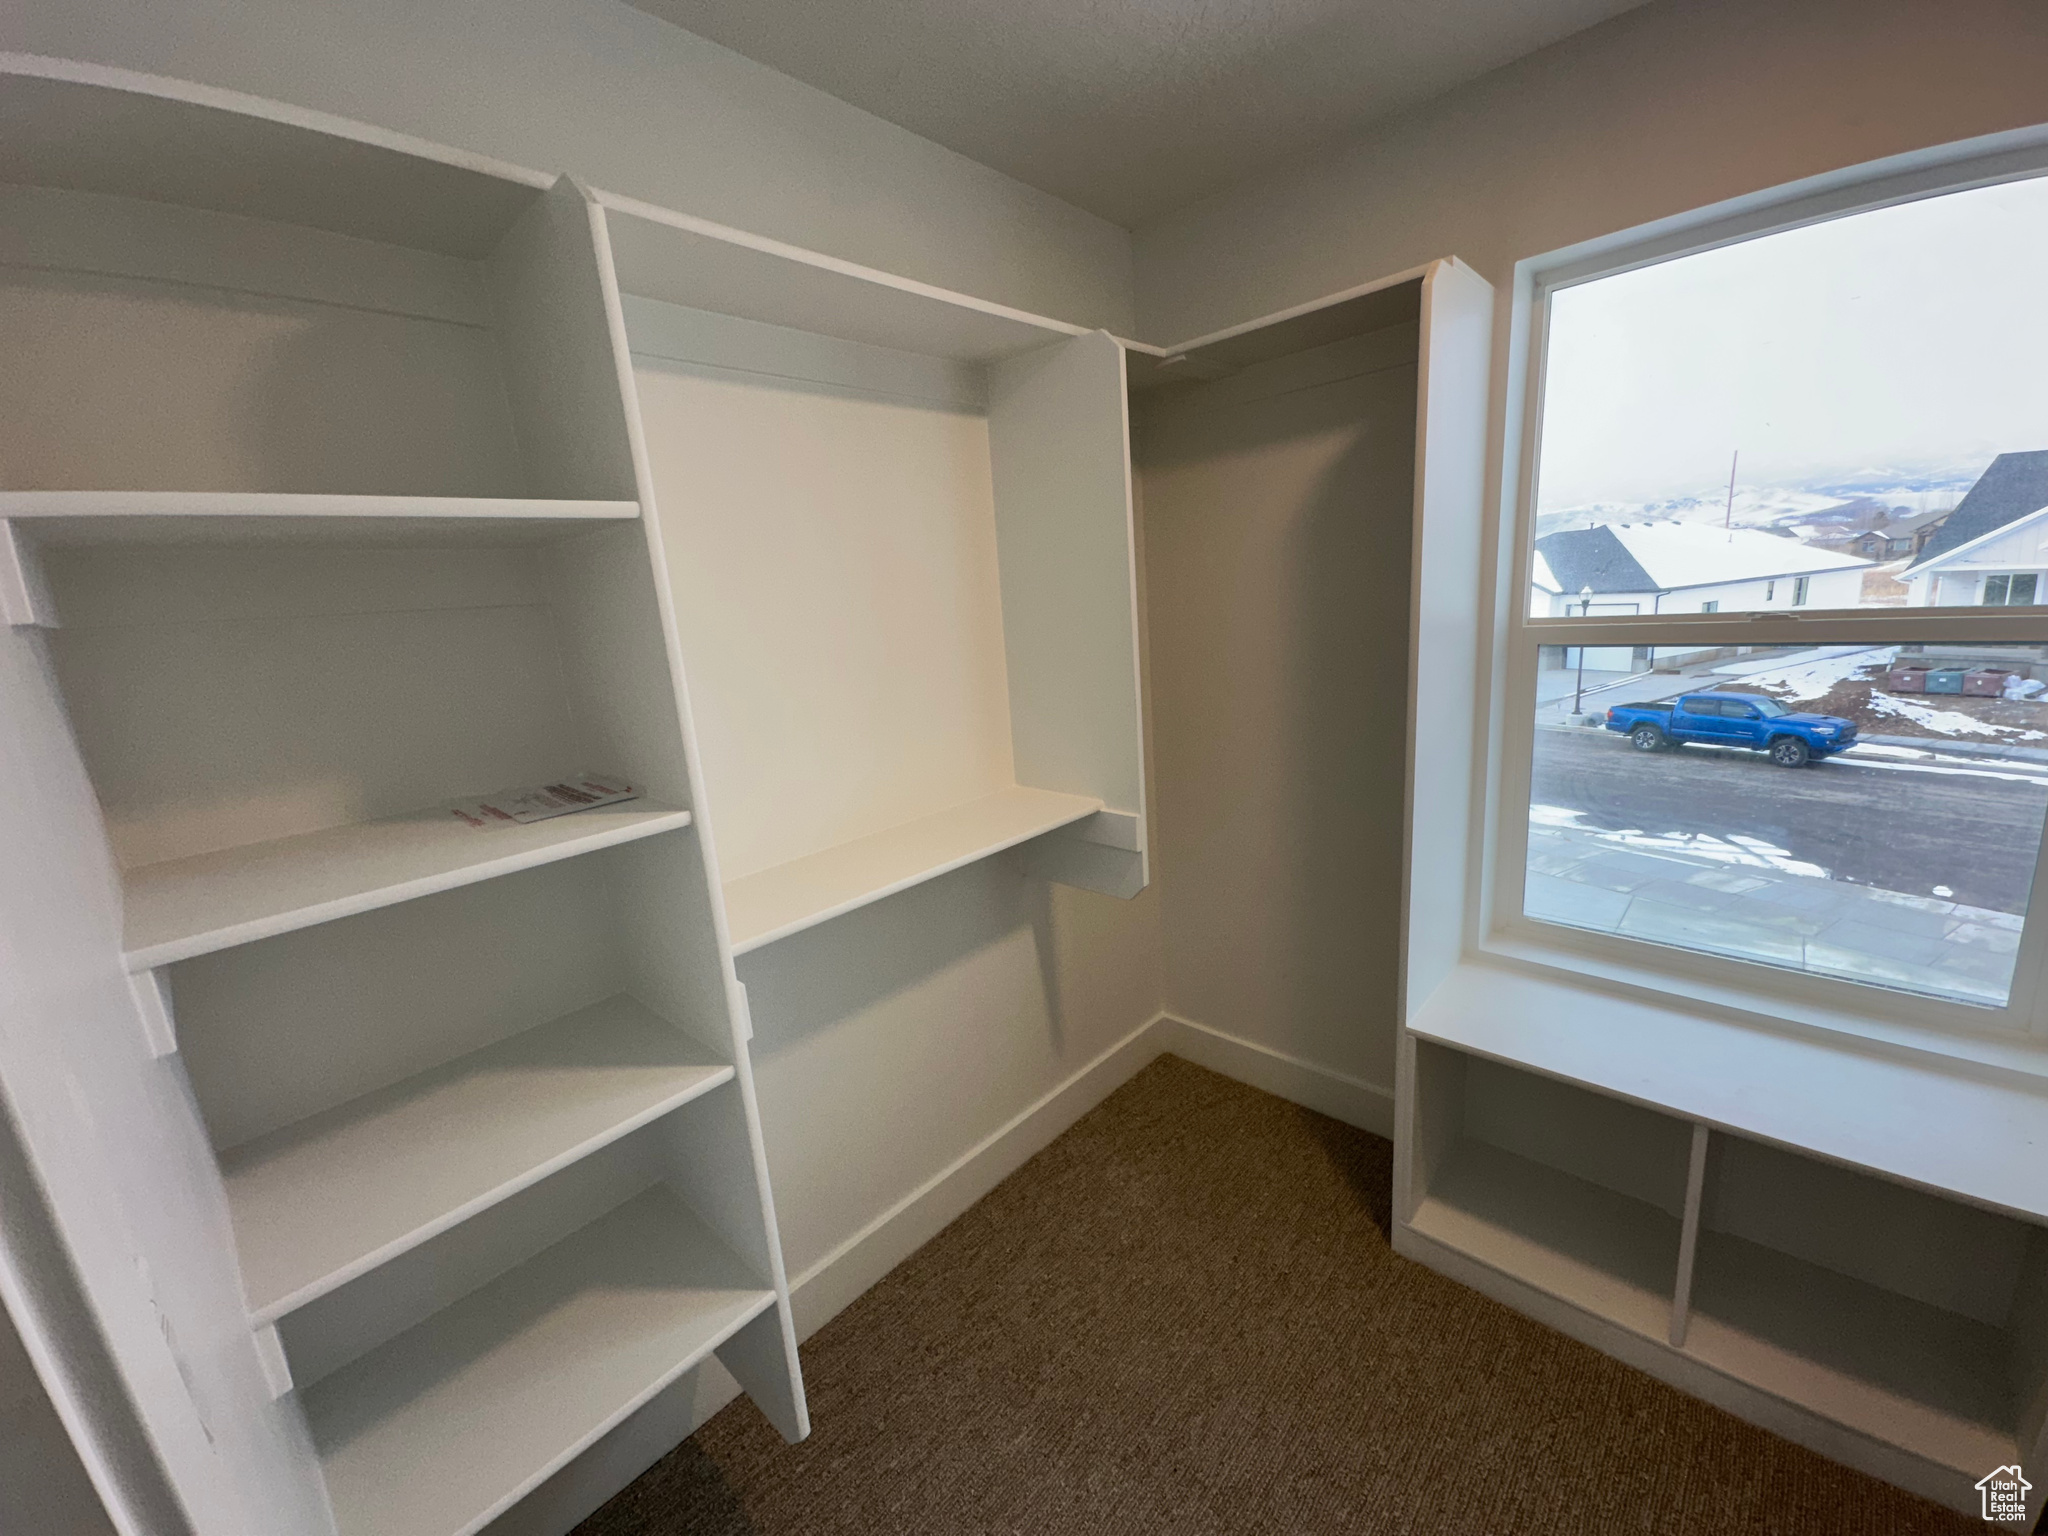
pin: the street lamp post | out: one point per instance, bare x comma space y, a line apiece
1579, 693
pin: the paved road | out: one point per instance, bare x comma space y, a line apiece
1897, 830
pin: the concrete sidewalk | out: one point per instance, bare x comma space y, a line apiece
1742, 898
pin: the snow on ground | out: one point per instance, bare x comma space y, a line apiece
1810, 674
1944, 722
1862, 756
1735, 849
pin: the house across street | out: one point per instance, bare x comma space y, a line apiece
1633, 569
1992, 551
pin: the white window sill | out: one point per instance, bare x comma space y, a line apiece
1970, 1120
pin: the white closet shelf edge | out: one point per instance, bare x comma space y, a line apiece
789, 898
319, 1203
170, 504
797, 256
183, 908
447, 1426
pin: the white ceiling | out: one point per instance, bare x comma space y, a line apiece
1132, 107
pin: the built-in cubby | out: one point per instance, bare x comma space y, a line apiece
898, 527
1895, 1326
1892, 1310
1548, 1179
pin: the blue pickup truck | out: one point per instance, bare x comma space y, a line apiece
1734, 720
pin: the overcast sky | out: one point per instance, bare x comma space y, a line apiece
1908, 337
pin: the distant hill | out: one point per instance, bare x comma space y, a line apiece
1823, 507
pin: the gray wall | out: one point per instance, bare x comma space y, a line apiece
1277, 512
1667, 108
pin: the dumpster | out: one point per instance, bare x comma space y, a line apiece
1986, 683
1945, 680
1907, 679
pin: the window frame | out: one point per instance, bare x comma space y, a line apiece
1726, 984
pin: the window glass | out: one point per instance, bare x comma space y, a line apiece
1822, 417
1874, 815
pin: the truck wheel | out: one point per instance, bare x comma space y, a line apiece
1789, 752
1646, 738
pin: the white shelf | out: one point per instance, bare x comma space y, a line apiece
789, 898
1871, 1360
442, 1429
318, 1203
1372, 306
1910, 1115
1612, 1255
96, 517
187, 907
96, 128
693, 262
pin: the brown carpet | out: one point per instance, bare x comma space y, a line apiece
1183, 1318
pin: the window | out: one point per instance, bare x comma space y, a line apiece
1798, 406
1843, 813
1864, 813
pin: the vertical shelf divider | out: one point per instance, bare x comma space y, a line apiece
763, 1356
1689, 1232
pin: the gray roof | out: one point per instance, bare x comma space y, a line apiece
1904, 525
2014, 485
1593, 557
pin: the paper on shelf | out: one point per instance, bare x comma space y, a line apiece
543, 801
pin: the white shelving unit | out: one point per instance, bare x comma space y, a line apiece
898, 526
1889, 1326
398, 1160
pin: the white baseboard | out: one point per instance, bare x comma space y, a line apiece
827, 1287
1323, 1089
